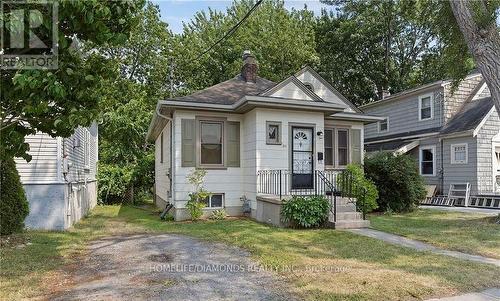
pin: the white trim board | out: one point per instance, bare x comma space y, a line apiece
483, 121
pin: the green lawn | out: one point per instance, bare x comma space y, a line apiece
467, 232
369, 269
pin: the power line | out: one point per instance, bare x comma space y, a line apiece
234, 28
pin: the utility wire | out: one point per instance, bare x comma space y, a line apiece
233, 29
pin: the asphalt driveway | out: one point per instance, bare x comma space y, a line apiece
170, 267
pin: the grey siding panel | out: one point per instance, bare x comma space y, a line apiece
47, 206
460, 173
403, 115
188, 147
485, 153
356, 148
86, 137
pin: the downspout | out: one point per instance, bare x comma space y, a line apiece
169, 119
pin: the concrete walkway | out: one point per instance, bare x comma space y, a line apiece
487, 211
421, 246
492, 294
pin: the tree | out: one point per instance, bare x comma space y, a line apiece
126, 160
281, 40
369, 47
57, 101
477, 20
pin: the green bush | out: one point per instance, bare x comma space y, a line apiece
218, 215
113, 182
400, 186
14, 207
364, 190
305, 211
197, 198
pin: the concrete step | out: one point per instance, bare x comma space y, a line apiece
350, 224
341, 216
346, 208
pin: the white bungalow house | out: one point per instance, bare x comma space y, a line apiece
60, 180
259, 141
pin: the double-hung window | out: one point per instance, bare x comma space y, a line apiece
459, 153
336, 147
211, 143
427, 160
425, 107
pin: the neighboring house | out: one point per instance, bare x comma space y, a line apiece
255, 138
60, 180
454, 135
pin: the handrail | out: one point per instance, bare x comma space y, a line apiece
333, 191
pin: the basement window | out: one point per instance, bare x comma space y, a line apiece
215, 200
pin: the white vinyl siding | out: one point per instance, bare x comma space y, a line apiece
43, 167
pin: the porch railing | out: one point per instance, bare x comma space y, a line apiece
331, 184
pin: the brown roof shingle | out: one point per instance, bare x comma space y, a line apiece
228, 92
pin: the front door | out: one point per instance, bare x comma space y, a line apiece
302, 158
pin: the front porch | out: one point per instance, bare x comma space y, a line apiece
278, 185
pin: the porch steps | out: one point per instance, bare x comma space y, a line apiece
347, 216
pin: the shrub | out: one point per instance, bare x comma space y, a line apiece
113, 183
219, 214
399, 183
364, 190
197, 198
13, 204
305, 211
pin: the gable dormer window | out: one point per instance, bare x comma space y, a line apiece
425, 107
309, 86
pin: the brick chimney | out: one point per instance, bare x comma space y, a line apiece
250, 67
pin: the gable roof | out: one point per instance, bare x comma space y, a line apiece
328, 86
418, 89
294, 80
229, 91
469, 117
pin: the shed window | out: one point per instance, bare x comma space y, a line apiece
459, 153
211, 142
426, 107
427, 161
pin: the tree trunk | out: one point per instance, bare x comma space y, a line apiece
483, 43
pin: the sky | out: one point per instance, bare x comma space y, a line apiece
174, 12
